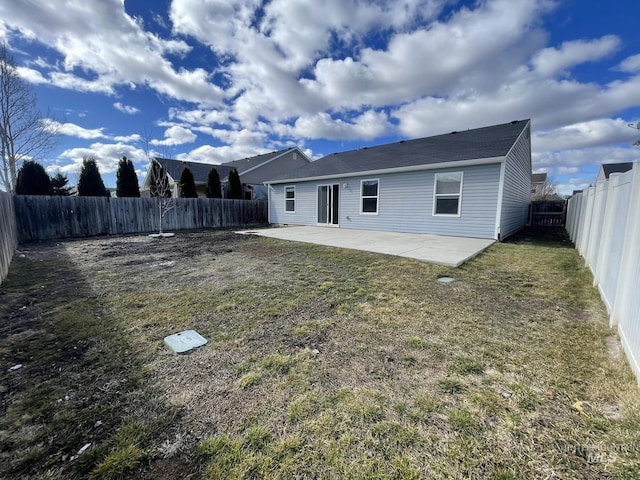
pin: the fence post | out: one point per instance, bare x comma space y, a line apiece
585, 232
597, 225
611, 205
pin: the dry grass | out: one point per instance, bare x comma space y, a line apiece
321, 363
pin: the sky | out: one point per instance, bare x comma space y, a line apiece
219, 80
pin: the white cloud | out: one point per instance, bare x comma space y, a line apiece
217, 155
106, 155
127, 138
604, 131
630, 64
97, 38
73, 130
126, 108
31, 75
552, 61
481, 45
580, 157
369, 125
176, 135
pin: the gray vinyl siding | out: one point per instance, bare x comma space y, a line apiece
516, 194
405, 203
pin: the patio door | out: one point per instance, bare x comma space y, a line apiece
328, 203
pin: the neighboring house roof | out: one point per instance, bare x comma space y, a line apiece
199, 170
538, 178
251, 171
476, 144
609, 168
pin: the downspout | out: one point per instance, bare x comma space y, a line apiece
496, 235
269, 203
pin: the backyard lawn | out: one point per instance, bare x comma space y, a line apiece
321, 363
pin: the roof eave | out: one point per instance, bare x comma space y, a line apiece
382, 171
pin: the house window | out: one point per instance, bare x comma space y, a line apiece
447, 193
290, 199
369, 196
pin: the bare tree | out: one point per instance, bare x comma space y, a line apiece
636, 126
24, 133
160, 189
159, 186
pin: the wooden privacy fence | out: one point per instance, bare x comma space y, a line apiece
548, 214
8, 233
604, 223
44, 218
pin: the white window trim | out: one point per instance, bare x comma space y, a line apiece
377, 197
435, 196
294, 198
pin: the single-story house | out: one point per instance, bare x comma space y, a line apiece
473, 183
253, 171
607, 169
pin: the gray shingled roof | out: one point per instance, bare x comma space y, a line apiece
245, 164
479, 143
199, 170
538, 177
609, 168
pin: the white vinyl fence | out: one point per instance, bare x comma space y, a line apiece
604, 224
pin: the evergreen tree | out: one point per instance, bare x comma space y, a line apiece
235, 186
126, 179
59, 183
159, 181
33, 180
90, 183
187, 184
214, 189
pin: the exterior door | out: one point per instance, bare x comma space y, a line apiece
328, 204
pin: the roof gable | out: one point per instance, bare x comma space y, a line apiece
249, 163
479, 143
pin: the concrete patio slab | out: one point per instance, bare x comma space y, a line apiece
438, 249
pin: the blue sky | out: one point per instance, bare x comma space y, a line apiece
214, 80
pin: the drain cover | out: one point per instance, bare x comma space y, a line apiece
446, 280
184, 341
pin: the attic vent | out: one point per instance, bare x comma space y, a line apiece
454, 132
295, 156
401, 141
364, 148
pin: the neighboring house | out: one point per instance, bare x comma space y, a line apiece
607, 169
474, 183
538, 184
253, 171
174, 169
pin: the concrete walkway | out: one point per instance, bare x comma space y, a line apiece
438, 249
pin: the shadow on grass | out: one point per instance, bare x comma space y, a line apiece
80, 382
541, 236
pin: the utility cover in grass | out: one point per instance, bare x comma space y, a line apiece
446, 280
184, 341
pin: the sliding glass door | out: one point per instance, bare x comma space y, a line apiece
328, 203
